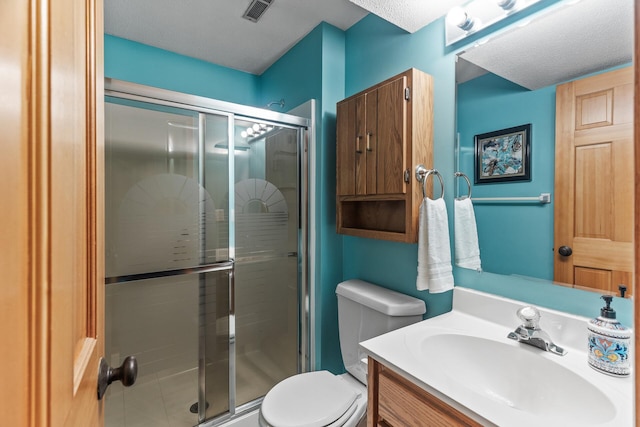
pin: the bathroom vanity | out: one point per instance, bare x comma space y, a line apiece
460, 369
396, 401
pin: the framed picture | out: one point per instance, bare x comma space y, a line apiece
503, 155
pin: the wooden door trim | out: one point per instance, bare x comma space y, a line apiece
636, 286
39, 244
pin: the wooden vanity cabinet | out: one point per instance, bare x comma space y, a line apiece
395, 401
382, 134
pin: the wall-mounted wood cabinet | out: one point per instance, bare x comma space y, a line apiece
382, 134
395, 401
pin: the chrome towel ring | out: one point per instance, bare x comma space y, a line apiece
466, 178
422, 174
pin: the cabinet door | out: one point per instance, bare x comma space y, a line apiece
391, 137
371, 142
346, 148
360, 123
354, 165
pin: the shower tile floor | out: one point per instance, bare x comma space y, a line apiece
153, 401
164, 401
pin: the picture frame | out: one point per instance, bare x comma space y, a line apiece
503, 155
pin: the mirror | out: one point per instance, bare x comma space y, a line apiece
509, 80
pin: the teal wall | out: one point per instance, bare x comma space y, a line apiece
314, 69
377, 50
138, 63
515, 238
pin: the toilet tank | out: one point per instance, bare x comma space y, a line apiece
365, 311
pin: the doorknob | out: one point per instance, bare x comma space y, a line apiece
126, 373
565, 250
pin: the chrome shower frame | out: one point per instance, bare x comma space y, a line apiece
305, 126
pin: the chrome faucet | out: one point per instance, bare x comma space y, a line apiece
530, 333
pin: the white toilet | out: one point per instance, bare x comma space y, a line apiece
322, 399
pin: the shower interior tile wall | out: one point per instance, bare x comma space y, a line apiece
157, 321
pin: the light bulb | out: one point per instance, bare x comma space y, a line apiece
458, 16
507, 4
243, 134
250, 131
256, 127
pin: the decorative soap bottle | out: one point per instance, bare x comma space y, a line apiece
609, 342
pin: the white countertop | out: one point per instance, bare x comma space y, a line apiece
575, 394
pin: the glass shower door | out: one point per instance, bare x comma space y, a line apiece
267, 273
168, 275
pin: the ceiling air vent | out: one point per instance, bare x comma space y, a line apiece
256, 9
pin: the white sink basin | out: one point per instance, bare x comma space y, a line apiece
517, 376
465, 359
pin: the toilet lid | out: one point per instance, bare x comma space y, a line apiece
313, 399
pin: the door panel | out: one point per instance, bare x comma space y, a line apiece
392, 132
594, 191
370, 150
75, 243
346, 150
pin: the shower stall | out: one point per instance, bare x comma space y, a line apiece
206, 254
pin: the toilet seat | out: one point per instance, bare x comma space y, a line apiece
313, 399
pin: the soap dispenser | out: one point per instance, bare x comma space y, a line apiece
609, 342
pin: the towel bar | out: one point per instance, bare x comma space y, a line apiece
542, 198
466, 178
422, 174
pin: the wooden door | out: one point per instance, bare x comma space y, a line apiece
594, 187
392, 137
51, 242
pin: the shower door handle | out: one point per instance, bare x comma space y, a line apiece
126, 373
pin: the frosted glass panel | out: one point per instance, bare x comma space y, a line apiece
167, 208
159, 215
157, 321
266, 278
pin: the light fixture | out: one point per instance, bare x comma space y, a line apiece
256, 130
477, 15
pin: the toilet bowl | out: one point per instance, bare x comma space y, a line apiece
315, 399
322, 399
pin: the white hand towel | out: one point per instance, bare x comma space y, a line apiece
434, 248
467, 251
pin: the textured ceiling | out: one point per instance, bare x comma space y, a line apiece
410, 15
214, 30
581, 38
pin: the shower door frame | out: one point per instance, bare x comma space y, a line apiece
135, 92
